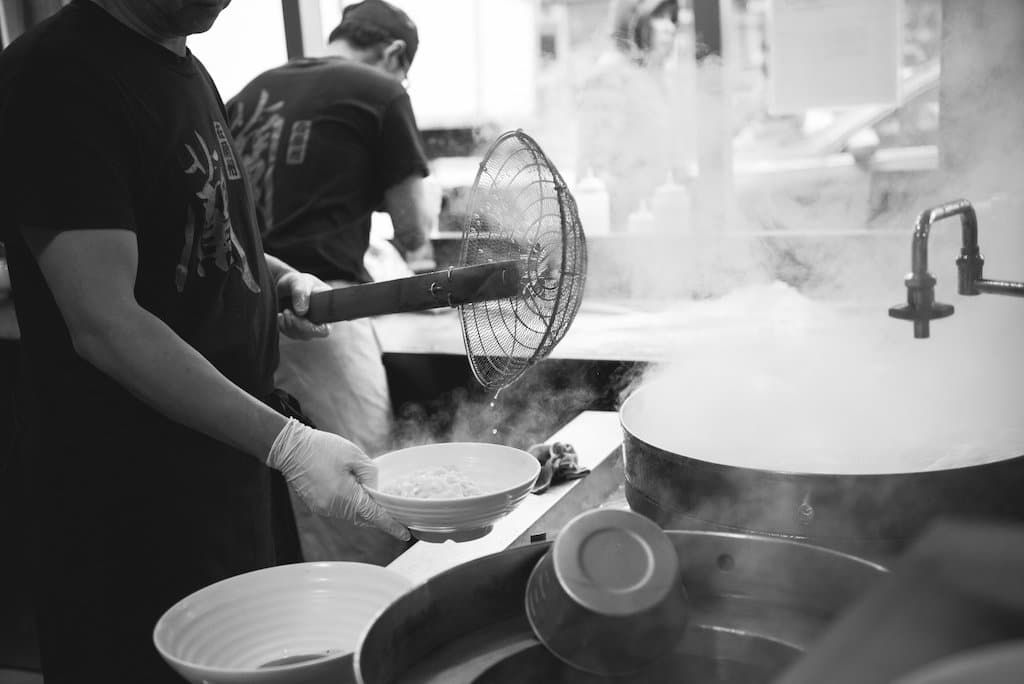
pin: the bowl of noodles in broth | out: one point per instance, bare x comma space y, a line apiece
453, 490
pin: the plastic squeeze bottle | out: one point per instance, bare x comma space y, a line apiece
641, 220
593, 204
671, 206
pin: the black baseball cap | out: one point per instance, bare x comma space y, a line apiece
385, 17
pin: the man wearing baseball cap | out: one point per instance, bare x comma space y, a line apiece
393, 26
326, 142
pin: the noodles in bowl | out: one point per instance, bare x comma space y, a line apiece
444, 482
454, 490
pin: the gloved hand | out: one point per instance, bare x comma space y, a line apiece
328, 472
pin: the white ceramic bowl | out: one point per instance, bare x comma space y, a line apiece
306, 617
504, 476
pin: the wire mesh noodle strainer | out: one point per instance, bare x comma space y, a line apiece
521, 210
521, 271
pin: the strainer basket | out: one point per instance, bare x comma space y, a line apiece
522, 267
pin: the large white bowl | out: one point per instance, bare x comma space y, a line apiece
504, 474
307, 616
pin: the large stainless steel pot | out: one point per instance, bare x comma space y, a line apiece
874, 515
756, 603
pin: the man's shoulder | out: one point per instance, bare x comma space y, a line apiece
302, 84
64, 55
311, 66
56, 44
328, 73
358, 71
350, 76
52, 66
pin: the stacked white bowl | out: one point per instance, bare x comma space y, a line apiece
288, 624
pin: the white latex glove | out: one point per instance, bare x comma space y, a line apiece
328, 472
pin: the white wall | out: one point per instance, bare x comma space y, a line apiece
247, 38
477, 60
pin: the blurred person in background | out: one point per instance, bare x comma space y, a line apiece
631, 122
149, 330
325, 142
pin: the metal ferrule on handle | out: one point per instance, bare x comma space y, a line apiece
448, 288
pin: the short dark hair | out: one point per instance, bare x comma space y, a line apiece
361, 36
375, 23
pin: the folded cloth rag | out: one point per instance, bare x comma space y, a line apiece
558, 463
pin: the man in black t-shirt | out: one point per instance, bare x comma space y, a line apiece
325, 143
147, 314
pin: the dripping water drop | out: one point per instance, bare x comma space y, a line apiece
495, 417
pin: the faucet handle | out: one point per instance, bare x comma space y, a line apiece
921, 306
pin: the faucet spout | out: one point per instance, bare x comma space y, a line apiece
921, 307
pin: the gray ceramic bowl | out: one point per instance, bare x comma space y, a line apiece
608, 597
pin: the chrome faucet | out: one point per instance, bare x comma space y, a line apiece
921, 307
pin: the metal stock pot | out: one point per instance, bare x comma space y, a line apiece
755, 602
874, 515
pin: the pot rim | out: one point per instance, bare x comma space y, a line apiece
781, 473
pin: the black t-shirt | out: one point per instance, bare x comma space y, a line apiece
101, 128
322, 140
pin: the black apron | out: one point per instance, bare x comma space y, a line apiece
119, 542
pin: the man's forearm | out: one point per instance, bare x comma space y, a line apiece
149, 359
414, 207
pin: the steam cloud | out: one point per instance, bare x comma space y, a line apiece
811, 374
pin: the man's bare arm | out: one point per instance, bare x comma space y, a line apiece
414, 211
92, 276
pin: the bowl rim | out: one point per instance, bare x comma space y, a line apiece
629, 427
274, 569
662, 575
437, 502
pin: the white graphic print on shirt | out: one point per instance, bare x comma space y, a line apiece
258, 138
209, 219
